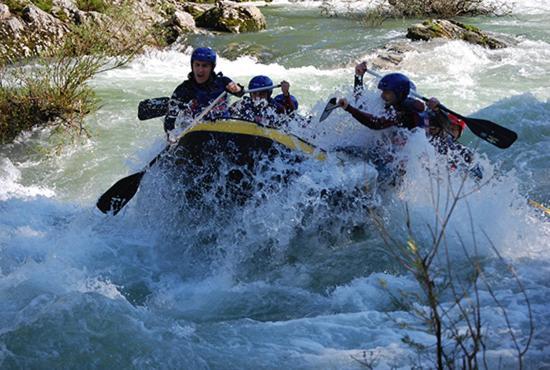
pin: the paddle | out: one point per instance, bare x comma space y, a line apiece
486, 130
118, 195
331, 105
153, 108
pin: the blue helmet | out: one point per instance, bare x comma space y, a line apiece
260, 81
204, 55
398, 83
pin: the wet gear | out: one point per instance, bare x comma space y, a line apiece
191, 98
289, 102
457, 122
445, 122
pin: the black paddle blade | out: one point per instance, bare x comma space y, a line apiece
153, 108
491, 132
331, 105
114, 199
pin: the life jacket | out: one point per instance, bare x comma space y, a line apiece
265, 112
287, 104
457, 122
192, 98
409, 113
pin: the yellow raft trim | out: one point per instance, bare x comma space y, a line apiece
546, 210
253, 129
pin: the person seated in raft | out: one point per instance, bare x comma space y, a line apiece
444, 130
403, 111
260, 108
410, 113
202, 86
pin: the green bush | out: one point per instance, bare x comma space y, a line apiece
92, 5
38, 103
45, 5
16, 6
51, 89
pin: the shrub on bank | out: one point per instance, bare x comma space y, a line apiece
51, 89
91, 5
456, 290
39, 97
17, 6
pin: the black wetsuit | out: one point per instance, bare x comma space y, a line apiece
192, 98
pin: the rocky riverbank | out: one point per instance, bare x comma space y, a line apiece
29, 27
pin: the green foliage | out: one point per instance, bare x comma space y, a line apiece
45, 5
61, 15
52, 88
471, 28
16, 6
433, 26
39, 102
92, 5
168, 9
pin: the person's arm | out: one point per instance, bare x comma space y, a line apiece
285, 102
366, 119
369, 120
440, 120
360, 70
285, 99
231, 86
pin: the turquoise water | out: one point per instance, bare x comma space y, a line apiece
290, 282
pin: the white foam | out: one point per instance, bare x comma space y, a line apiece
11, 188
531, 6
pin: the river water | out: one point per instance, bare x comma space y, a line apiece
290, 280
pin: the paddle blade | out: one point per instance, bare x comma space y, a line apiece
331, 105
153, 108
491, 132
114, 199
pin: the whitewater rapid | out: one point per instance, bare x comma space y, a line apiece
291, 282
